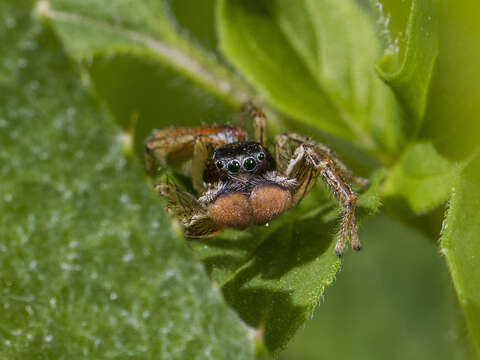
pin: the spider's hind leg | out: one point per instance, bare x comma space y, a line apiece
188, 211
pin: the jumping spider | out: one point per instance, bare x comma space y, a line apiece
239, 180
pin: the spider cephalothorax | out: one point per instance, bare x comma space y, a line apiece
240, 183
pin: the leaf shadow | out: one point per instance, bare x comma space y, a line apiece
244, 243
272, 313
225, 262
265, 292
229, 251
277, 278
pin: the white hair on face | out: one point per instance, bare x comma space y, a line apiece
283, 181
211, 194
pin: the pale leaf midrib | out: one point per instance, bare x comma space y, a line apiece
224, 86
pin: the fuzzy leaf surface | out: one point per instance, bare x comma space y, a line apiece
90, 266
422, 178
461, 247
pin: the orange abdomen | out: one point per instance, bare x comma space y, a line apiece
236, 210
268, 202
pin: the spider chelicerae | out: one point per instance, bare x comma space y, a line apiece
241, 183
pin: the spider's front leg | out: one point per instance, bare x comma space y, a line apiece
188, 211
259, 122
310, 160
186, 149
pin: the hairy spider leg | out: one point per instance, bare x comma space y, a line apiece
201, 152
296, 140
187, 148
185, 207
259, 123
310, 160
342, 192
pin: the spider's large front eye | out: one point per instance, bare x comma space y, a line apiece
219, 164
261, 156
249, 163
233, 166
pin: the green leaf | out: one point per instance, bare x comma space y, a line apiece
90, 265
121, 57
461, 247
195, 22
409, 58
275, 277
422, 178
393, 301
162, 97
451, 120
90, 28
314, 61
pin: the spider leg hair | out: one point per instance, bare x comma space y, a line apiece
176, 146
310, 160
286, 143
188, 211
201, 152
259, 123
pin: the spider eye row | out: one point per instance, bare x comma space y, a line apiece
234, 165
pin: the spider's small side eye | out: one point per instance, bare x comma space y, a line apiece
249, 163
233, 166
261, 156
219, 164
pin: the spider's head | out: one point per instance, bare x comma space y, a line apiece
231, 161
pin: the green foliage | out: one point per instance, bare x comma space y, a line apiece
197, 26
375, 311
91, 28
421, 178
91, 265
313, 60
275, 278
407, 64
460, 244
451, 119
180, 101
